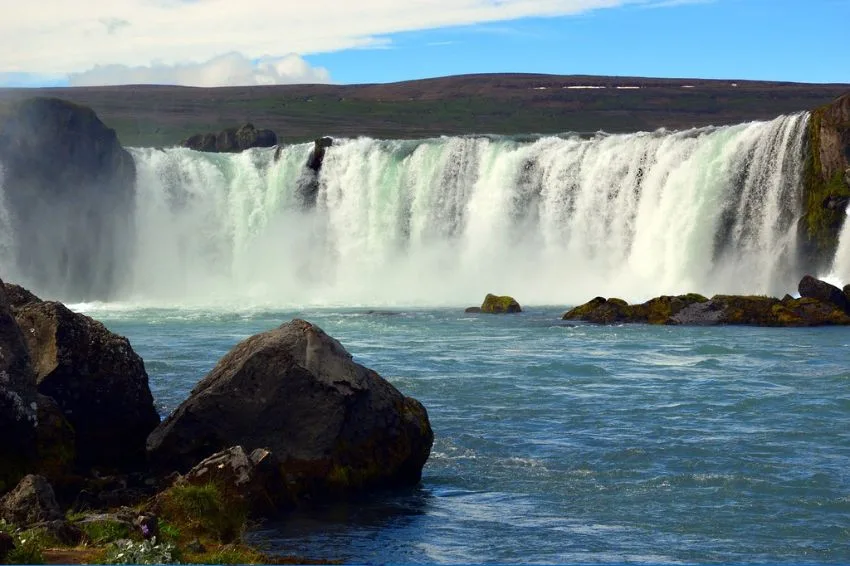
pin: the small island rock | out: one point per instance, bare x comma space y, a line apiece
494, 304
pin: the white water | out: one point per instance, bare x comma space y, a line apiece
444, 221
840, 274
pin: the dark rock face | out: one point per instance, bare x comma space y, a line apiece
18, 395
32, 501
826, 184
317, 156
232, 140
69, 188
333, 425
308, 184
472, 310
96, 379
697, 310
201, 142
823, 291
494, 304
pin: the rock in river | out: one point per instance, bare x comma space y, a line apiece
332, 425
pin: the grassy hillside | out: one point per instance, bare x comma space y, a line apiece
499, 104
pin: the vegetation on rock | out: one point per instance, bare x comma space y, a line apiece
827, 155
494, 304
694, 309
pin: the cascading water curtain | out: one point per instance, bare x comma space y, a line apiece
554, 220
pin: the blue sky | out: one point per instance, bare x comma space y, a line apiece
266, 42
793, 40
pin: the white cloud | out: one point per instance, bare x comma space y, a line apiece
226, 70
62, 37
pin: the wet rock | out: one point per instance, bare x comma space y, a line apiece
472, 310
32, 501
317, 155
823, 291
97, 380
332, 425
494, 304
697, 310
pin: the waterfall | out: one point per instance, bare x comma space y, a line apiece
550, 220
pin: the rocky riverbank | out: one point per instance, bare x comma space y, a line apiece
285, 419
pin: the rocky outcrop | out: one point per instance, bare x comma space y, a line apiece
95, 378
826, 181
332, 425
32, 501
232, 140
308, 184
494, 304
317, 155
695, 309
821, 290
18, 407
69, 188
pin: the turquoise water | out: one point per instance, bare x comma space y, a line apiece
570, 443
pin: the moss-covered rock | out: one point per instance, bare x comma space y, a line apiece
694, 309
659, 310
827, 160
494, 304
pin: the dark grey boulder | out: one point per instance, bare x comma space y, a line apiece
97, 380
332, 425
812, 288
32, 501
18, 396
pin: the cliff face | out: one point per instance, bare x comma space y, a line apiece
69, 189
826, 190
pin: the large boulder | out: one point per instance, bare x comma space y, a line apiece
18, 395
32, 501
332, 425
823, 291
96, 379
69, 189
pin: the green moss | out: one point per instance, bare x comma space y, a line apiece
202, 511
500, 304
582, 311
102, 532
821, 224
26, 551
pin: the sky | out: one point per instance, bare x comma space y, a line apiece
249, 42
